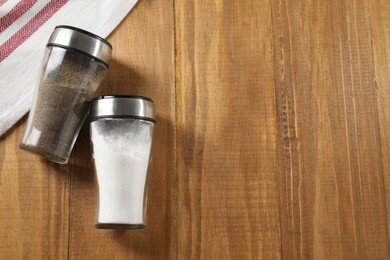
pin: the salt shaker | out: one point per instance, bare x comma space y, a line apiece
121, 135
74, 65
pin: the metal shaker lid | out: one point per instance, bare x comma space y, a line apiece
123, 106
76, 39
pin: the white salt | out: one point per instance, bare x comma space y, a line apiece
121, 153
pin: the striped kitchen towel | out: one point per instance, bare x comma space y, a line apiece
25, 27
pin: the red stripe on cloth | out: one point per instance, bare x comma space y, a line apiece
2, 2
16, 12
29, 28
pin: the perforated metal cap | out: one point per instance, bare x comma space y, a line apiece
123, 106
76, 39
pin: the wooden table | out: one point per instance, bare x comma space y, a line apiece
272, 140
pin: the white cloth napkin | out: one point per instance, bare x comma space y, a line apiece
25, 27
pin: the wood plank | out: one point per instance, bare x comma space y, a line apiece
142, 64
380, 24
34, 202
226, 131
332, 199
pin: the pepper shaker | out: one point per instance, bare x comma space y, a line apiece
74, 65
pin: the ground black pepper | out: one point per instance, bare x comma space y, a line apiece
68, 84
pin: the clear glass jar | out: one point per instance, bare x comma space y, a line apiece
121, 135
74, 65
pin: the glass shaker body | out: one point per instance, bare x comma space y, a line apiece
121, 149
69, 79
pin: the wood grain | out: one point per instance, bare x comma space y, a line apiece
380, 24
226, 131
34, 203
272, 138
332, 175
